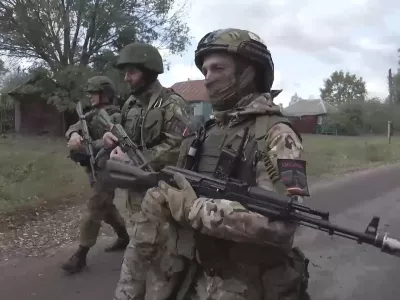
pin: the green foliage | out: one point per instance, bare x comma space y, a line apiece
3, 70
396, 88
343, 88
62, 33
370, 117
349, 120
394, 84
76, 39
69, 88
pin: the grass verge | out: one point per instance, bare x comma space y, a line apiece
36, 174
331, 155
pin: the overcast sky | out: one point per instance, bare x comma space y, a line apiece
308, 40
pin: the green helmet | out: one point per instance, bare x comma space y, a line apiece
101, 84
144, 55
241, 42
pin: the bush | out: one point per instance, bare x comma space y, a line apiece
369, 117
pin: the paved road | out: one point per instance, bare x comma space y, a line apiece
340, 269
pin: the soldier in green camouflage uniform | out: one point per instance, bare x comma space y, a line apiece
239, 254
100, 206
155, 118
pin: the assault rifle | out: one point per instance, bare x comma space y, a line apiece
87, 140
255, 199
126, 144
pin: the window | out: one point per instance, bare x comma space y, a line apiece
319, 120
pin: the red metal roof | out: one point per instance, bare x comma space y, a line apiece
191, 90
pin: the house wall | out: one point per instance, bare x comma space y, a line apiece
39, 117
305, 124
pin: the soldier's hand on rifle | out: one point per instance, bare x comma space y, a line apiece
75, 142
109, 140
180, 200
155, 206
118, 154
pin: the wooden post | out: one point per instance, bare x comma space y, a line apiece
390, 131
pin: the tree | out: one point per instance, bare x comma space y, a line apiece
294, 99
3, 71
69, 32
343, 88
394, 84
74, 39
376, 100
396, 88
14, 77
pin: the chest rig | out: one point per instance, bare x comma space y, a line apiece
232, 153
144, 124
221, 151
95, 126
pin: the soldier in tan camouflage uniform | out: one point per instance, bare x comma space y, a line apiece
239, 254
100, 205
156, 119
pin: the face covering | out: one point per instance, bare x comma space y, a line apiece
226, 91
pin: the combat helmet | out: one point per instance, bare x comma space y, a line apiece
241, 42
144, 55
101, 84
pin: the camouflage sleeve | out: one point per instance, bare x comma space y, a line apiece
176, 122
230, 220
73, 128
182, 152
116, 119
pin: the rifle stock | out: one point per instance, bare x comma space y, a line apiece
256, 199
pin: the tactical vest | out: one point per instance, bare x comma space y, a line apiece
216, 157
136, 118
96, 129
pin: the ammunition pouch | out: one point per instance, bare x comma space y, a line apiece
299, 263
132, 122
153, 127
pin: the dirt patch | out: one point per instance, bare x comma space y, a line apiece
42, 230
33, 231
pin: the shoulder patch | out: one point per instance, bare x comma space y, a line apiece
294, 176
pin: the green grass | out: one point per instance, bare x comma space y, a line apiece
338, 154
35, 171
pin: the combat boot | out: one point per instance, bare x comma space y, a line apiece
77, 261
122, 241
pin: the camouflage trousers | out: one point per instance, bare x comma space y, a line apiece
241, 281
149, 271
99, 208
